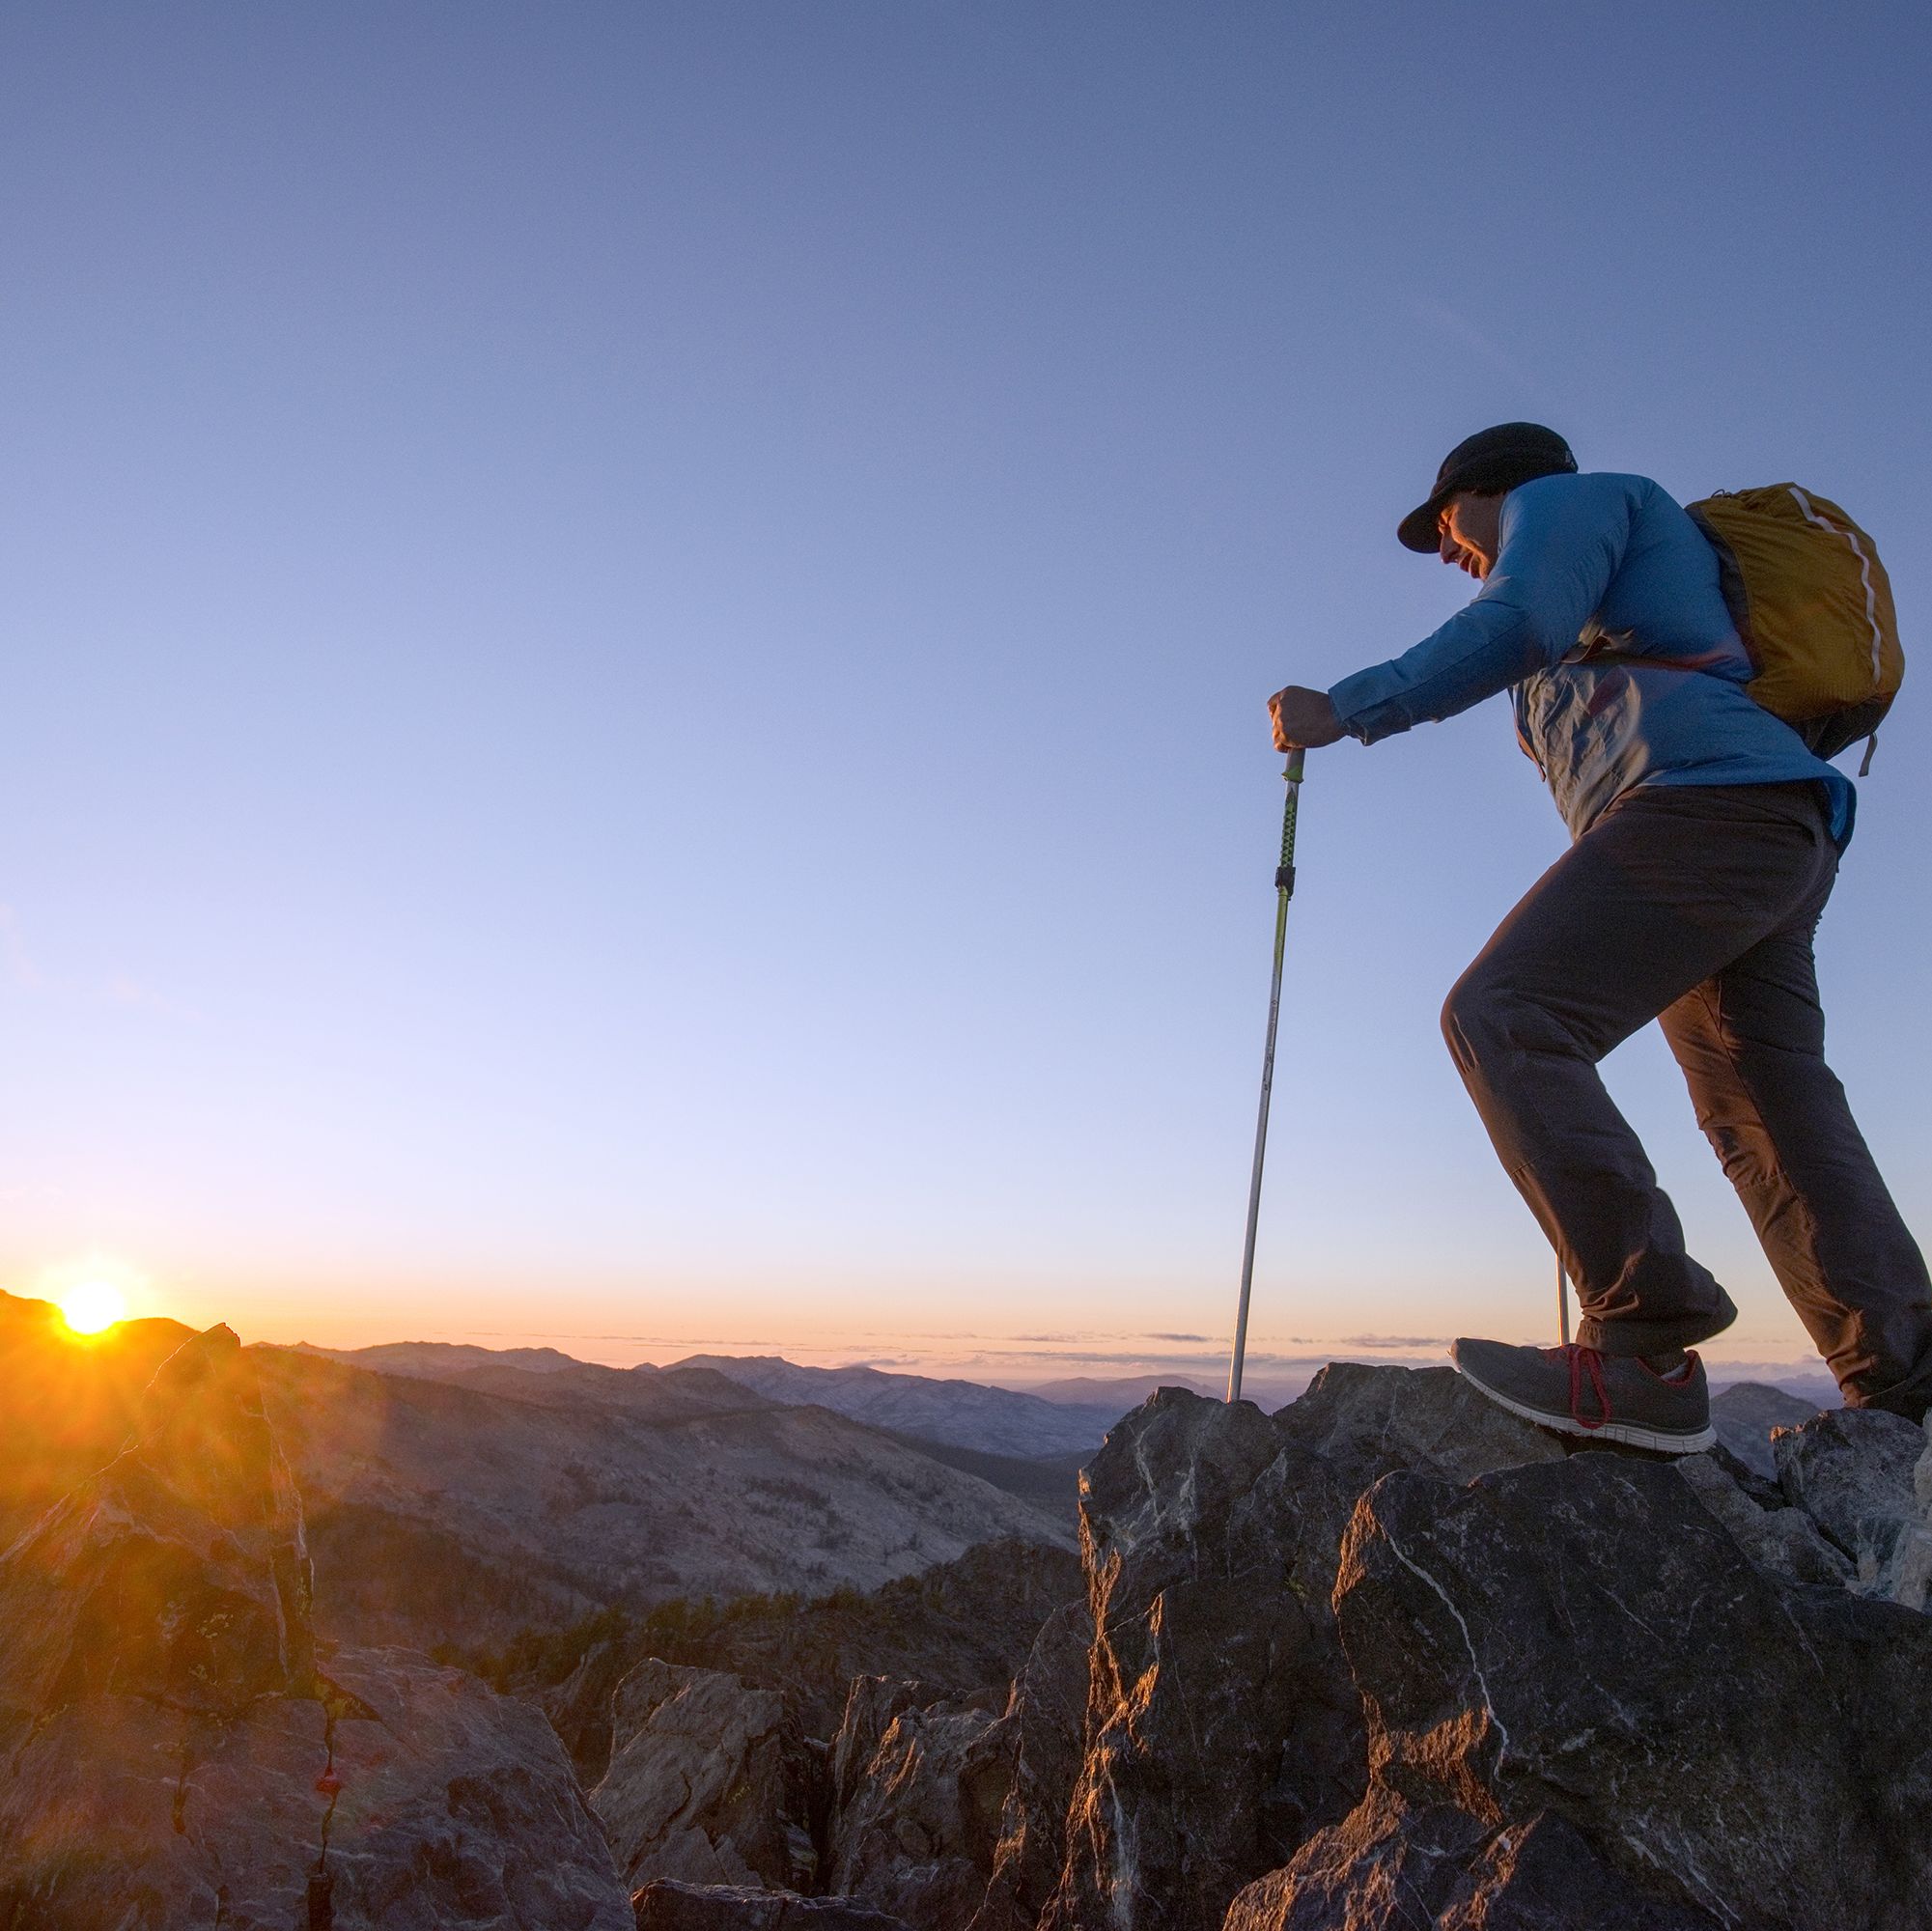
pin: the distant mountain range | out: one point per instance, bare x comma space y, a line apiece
964, 1414
464, 1508
455, 1497
461, 1494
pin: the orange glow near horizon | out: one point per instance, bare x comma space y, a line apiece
93, 1293
91, 1308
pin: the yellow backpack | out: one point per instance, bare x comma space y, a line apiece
1813, 605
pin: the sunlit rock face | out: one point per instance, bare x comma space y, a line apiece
174, 1754
177, 1573
66, 1409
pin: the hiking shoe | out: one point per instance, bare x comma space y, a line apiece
1605, 1397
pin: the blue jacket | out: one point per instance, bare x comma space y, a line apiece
1609, 563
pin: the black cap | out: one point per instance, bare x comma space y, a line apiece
1492, 458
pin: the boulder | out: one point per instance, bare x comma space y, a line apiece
1853, 1470
1584, 1644
665, 1905
1849, 1466
178, 1755
709, 1782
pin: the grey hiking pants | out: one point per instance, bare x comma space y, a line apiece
1693, 905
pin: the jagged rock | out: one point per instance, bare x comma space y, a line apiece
177, 1757
457, 1806
1899, 1567
1782, 1540
1360, 1416
1763, 1490
1583, 1641
1390, 1868
1222, 1726
962, 1629
1747, 1413
664, 1904
1045, 1714
1851, 1470
1895, 1563
872, 1703
919, 1818
709, 1782
579, 1707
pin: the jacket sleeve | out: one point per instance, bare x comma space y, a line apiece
1563, 538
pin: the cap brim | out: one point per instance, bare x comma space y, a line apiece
1418, 530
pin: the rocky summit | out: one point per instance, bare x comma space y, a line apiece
1389, 1660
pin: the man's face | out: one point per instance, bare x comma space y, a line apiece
1470, 532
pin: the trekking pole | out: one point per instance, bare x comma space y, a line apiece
1284, 890
1562, 1300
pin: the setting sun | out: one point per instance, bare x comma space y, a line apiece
93, 1306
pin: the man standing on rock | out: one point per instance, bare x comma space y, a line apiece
1706, 840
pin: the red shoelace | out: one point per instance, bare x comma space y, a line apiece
1585, 1364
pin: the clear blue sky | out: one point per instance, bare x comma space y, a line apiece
636, 637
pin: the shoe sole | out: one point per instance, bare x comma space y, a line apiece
1633, 1435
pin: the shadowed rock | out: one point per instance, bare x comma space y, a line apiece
1853, 1470
1585, 1642
665, 1905
709, 1782
1222, 1726
919, 1822
1785, 1541
1044, 1719
1849, 1466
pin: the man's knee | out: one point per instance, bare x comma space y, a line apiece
1474, 1019
1486, 1017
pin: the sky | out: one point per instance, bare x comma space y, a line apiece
637, 639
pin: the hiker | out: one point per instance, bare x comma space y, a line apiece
1705, 838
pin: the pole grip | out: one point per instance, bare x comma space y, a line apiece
1284, 872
